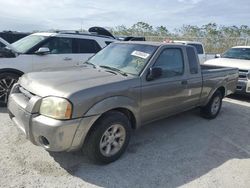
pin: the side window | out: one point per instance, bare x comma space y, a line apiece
193, 63
59, 45
171, 61
88, 46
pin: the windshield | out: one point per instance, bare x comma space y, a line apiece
25, 44
237, 53
128, 58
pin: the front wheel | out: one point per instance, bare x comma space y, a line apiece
109, 138
7, 80
212, 109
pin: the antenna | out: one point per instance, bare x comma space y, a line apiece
81, 25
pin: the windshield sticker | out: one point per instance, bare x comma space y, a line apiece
142, 55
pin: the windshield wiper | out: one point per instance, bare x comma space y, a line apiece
88, 63
114, 69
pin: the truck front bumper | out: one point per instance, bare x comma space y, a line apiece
243, 87
51, 134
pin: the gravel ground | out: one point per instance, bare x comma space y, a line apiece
184, 150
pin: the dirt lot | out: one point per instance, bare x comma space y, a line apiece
184, 150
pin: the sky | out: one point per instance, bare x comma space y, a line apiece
30, 15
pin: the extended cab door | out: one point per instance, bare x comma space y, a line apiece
167, 94
200, 50
194, 79
61, 54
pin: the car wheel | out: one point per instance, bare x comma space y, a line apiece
7, 80
212, 109
109, 138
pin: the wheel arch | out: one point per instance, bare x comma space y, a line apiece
13, 71
125, 105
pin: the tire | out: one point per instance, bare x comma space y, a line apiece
7, 80
102, 145
212, 109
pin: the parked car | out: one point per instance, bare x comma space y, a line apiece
239, 57
41, 51
12, 36
198, 46
124, 86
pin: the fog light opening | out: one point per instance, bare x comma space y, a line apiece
44, 141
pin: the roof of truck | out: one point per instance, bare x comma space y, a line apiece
241, 47
150, 43
186, 42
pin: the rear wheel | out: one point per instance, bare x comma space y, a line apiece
109, 138
7, 80
212, 109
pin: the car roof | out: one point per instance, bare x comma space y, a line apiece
149, 43
183, 41
72, 34
241, 47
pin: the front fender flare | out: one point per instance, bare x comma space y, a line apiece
114, 103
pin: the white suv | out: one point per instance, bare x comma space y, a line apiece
41, 51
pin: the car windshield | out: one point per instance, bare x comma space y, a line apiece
25, 44
237, 53
127, 58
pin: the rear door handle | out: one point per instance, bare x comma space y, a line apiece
67, 59
184, 82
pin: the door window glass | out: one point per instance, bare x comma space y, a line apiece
192, 60
59, 45
88, 46
171, 62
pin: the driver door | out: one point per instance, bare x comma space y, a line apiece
61, 55
166, 95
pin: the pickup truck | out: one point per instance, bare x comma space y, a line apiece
124, 86
239, 57
198, 46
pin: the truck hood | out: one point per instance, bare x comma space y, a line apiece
226, 62
66, 83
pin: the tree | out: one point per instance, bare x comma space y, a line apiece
162, 31
142, 28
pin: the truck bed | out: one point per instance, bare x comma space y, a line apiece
213, 76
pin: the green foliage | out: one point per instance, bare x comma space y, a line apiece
216, 38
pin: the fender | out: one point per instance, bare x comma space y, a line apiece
9, 70
114, 103
219, 85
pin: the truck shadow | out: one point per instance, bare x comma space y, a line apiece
171, 152
240, 97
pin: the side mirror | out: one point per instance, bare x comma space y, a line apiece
217, 56
43, 51
154, 73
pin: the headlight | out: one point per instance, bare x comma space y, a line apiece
55, 107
